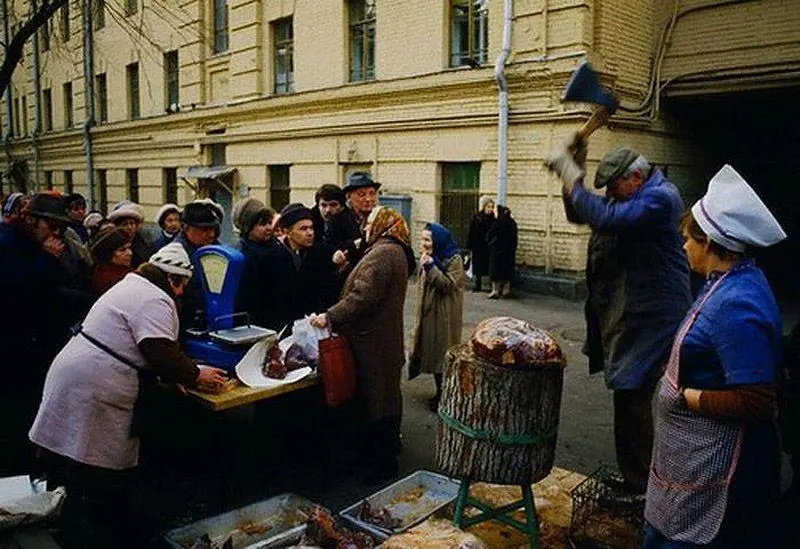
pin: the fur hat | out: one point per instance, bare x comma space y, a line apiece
247, 213
126, 209
219, 211
172, 259
106, 242
164, 211
484, 200
92, 220
293, 213
200, 214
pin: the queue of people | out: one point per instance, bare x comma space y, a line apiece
694, 384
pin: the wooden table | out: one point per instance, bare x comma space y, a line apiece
242, 394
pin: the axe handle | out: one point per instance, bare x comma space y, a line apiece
598, 119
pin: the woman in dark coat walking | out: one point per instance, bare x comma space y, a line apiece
476, 242
502, 240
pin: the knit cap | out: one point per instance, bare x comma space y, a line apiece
246, 213
107, 241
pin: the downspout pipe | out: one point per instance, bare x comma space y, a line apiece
37, 101
502, 84
88, 76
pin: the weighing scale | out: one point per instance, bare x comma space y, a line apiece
222, 343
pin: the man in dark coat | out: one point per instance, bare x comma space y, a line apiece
329, 201
637, 277
199, 227
502, 240
476, 242
348, 226
33, 326
296, 277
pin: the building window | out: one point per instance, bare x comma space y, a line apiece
100, 191
460, 195
101, 89
132, 71
65, 30
132, 181
69, 187
171, 77
131, 7
220, 26
171, 185
284, 55
99, 14
24, 115
362, 40
279, 187
47, 109
48, 180
44, 36
67, 93
469, 32
15, 121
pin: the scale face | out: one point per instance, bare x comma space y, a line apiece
214, 267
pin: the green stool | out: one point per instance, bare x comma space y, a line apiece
503, 514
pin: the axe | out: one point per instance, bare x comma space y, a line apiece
584, 87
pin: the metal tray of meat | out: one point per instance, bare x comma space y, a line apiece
267, 524
410, 501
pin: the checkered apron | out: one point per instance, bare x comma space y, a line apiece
694, 458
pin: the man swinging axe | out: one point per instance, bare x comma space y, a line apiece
637, 273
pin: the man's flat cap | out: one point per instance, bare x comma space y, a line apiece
614, 165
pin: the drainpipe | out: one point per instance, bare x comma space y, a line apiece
88, 76
37, 118
502, 84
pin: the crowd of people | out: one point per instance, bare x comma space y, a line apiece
96, 294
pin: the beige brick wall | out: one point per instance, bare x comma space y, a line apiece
416, 115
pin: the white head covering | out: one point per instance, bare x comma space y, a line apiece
172, 258
127, 209
733, 216
162, 212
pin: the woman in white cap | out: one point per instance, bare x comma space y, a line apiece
714, 476
86, 426
129, 216
168, 219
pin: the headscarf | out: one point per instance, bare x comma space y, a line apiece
444, 247
388, 223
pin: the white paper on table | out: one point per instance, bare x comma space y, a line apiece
250, 370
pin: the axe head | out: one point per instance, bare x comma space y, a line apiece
584, 87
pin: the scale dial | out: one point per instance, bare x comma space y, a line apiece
214, 268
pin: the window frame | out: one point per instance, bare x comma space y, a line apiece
477, 18
101, 190
99, 15
220, 26
132, 184
69, 182
101, 93
366, 28
132, 81
44, 36
172, 81
47, 107
67, 94
286, 84
279, 196
169, 180
66, 31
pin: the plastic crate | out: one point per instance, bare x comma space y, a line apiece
604, 516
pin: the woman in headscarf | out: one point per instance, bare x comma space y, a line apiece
440, 304
502, 240
86, 426
476, 242
112, 255
715, 472
370, 314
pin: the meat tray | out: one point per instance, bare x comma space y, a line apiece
410, 500
272, 523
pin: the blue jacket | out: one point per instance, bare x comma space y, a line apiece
637, 277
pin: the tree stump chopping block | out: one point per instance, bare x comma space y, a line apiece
497, 425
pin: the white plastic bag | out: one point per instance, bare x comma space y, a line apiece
307, 337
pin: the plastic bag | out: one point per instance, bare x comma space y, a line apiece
307, 337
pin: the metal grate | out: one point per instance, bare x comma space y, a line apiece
604, 516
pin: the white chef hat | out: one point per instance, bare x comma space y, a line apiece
733, 216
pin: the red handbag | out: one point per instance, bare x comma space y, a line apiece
338, 370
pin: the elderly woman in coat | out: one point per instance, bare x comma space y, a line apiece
502, 240
440, 305
715, 472
86, 426
370, 314
476, 241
